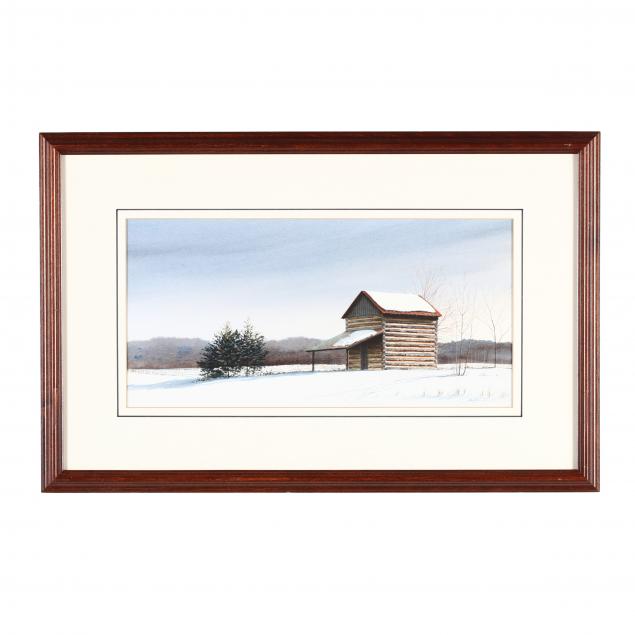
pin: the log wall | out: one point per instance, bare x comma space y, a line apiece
363, 322
410, 342
375, 355
407, 342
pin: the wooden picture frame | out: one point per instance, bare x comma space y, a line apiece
585, 145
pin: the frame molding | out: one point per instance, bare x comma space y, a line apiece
586, 145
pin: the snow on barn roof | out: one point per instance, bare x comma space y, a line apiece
347, 339
401, 301
388, 302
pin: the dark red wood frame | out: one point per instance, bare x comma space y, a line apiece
586, 145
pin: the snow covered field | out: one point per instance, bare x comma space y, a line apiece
297, 386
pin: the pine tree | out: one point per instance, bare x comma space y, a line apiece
230, 351
222, 356
252, 348
209, 362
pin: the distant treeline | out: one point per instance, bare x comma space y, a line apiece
175, 352
165, 352
475, 351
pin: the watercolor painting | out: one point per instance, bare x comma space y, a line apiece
319, 312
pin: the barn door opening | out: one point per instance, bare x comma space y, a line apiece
363, 354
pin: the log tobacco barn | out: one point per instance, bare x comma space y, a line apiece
387, 330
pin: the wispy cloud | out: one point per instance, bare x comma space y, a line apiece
293, 277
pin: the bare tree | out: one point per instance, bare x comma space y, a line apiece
493, 321
432, 286
463, 327
460, 306
456, 303
430, 283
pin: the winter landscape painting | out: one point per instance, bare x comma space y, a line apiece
411, 313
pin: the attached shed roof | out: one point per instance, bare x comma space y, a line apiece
397, 303
348, 339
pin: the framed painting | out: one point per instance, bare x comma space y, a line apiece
336, 312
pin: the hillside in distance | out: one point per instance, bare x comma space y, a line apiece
165, 352
179, 352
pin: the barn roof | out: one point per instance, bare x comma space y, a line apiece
348, 339
397, 303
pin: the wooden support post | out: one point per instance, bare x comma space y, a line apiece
312, 361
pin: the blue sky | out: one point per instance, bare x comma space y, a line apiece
186, 278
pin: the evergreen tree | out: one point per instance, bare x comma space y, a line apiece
222, 356
231, 351
252, 348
